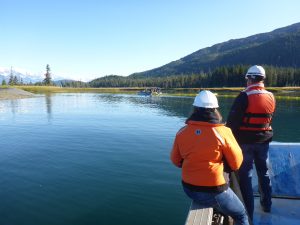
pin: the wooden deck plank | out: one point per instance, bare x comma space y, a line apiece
198, 215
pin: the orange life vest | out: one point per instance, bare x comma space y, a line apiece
261, 106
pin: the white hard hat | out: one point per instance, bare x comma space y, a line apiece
254, 71
206, 99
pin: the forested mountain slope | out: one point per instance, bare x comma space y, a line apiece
280, 47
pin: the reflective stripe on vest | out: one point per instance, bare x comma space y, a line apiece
257, 92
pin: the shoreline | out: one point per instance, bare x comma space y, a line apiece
17, 92
9, 93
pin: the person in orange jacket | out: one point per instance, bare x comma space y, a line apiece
200, 149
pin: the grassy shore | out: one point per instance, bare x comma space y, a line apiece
292, 93
289, 93
54, 89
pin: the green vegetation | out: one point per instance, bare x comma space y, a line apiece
71, 83
55, 89
47, 80
220, 66
288, 93
224, 64
280, 47
225, 76
231, 76
13, 79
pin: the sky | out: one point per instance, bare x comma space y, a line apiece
87, 39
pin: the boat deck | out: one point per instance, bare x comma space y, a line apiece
285, 177
283, 212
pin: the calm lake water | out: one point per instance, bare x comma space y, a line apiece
84, 159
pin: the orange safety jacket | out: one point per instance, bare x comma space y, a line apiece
260, 109
199, 148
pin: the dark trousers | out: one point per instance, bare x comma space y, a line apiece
257, 153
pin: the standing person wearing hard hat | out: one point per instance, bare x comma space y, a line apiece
199, 149
250, 120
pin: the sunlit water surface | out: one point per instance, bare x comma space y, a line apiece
100, 158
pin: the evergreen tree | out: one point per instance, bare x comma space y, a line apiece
3, 82
225, 76
11, 79
15, 80
47, 80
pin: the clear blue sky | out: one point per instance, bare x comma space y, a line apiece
85, 39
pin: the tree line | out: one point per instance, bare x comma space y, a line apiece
225, 76
14, 80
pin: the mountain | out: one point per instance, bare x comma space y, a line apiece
27, 78
2, 78
70, 83
280, 47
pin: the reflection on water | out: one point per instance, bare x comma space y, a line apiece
285, 122
48, 101
99, 158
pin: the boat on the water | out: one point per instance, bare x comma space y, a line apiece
150, 91
285, 177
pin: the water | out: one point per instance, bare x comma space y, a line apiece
85, 159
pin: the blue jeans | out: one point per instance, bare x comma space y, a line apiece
226, 202
257, 153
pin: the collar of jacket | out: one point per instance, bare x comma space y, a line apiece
254, 86
201, 123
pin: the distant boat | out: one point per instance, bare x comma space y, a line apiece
150, 91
